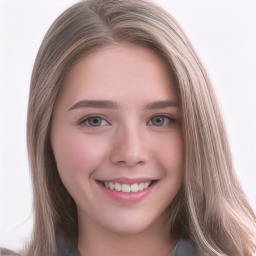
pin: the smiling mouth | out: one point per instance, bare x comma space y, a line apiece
126, 188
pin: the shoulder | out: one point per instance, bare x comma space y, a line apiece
186, 247
7, 252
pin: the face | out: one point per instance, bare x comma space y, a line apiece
117, 140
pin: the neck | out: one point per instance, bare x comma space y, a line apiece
156, 240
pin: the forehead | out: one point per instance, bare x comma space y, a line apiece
120, 69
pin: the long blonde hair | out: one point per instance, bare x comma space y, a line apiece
210, 208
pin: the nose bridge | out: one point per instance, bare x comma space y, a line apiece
129, 147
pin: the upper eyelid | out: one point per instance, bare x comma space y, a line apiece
162, 115
170, 118
83, 119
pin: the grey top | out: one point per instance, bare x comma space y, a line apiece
185, 248
182, 248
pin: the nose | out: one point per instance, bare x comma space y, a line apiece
129, 148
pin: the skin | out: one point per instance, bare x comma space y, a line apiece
129, 141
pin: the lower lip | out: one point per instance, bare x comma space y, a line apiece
128, 198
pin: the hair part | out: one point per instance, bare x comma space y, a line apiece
210, 208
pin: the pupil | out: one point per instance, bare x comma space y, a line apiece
96, 121
158, 120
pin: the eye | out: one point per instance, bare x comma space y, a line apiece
161, 120
94, 121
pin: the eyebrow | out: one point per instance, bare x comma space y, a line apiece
162, 104
95, 104
108, 104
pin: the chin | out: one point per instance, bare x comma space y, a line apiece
131, 226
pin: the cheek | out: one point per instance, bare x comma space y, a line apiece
171, 155
76, 155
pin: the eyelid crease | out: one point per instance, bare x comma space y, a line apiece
163, 115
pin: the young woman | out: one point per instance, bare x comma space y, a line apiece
127, 147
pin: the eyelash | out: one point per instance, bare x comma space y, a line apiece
168, 120
87, 119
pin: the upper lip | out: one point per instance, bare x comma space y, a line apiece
129, 181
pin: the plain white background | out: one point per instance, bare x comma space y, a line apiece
222, 32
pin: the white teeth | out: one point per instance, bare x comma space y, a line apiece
134, 188
146, 184
127, 188
118, 186
111, 185
141, 186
